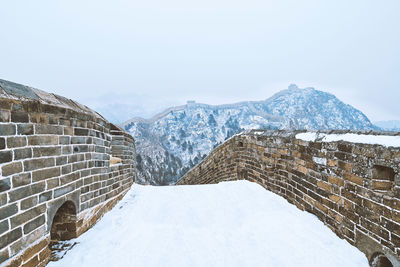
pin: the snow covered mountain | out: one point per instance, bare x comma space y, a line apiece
172, 142
393, 125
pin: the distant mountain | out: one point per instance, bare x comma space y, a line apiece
393, 125
172, 142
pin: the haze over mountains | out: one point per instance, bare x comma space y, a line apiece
172, 142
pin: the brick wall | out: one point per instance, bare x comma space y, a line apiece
353, 188
54, 153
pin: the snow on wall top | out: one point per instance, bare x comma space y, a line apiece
372, 139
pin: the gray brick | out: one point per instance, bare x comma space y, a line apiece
2, 143
22, 153
5, 156
34, 224
16, 141
64, 140
46, 151
48, 129
69, 178
42, 140
20, 219
5, 184
29, 203
61, 160
3, 199
19, 116
7, 129
5, 116
10, 237
81, 131
45, 174
52, 183
34, 164
63, 190
26, 191
25, 129
8, 211
4, 226
11, 168
21, 179
4, 255
66, 150
45, 196
66, 169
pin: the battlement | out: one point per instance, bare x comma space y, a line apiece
353, 187
56, 177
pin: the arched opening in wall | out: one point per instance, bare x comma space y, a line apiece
380, 260
63, 229
382, 178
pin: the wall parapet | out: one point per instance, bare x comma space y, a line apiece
354, 188
55, 163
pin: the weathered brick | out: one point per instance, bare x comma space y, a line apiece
4, 255
32, 225
324, 186
52, 183
17, 141
21, 179
353, 178
11, 168
35, 249
3, 199
2, 143
48, 129
4, 226
29, 202
45, 174
7, 129
63, 190
42, 140
25, 129
34, 262
382, 185
5, 156
46, 151
5, 184
8, 211
19, 117
81, 131
22, 153
40, 163
28, 215
26, 191
10, 237
4, 115
45, 196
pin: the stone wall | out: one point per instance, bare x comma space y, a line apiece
56, 178
353, 188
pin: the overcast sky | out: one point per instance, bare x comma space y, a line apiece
152, 54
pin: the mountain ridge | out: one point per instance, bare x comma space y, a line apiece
173, 141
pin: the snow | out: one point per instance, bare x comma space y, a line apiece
228, 224
384, 140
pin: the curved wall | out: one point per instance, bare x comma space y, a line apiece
353, 188
54, 150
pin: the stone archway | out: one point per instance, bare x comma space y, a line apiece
380, 260
63, 228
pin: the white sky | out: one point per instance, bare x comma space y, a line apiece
152, 54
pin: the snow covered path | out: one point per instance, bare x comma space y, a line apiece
228, 224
